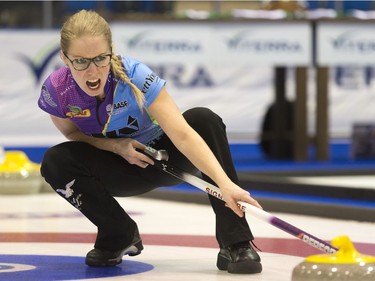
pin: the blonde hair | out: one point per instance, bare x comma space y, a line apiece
91, 23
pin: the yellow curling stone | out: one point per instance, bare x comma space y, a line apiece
19, 175
347, 264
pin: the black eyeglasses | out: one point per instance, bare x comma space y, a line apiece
84, 63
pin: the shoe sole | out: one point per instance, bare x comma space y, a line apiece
245, 267
222, 263
132, 250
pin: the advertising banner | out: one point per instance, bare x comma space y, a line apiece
26, 58
257, 43
348, 48
29, 56
340, 43
226, 67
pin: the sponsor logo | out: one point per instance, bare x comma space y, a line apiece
121, 104
68, 193
220, 196
349, 41
182, 77
149, 79
143, 41
214, 193
76, 111
47, 97
117, 107
241, 41
38, 67
315, 243
131, 128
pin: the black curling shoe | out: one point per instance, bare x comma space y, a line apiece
239, 258
103, 258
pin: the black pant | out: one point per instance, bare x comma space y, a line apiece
89, 178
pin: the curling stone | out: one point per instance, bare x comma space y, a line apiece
46, 188
19, 175
347, 264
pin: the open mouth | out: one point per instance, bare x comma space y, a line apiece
93, 84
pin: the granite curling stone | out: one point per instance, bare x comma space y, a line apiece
19, 175
347, 264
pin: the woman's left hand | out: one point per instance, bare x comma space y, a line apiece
232, 193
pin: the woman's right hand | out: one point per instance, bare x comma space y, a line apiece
127, 149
